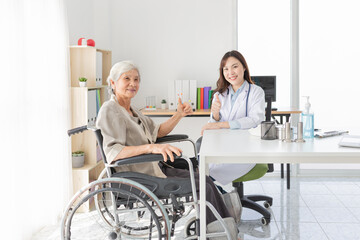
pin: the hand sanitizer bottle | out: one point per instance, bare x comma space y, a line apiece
307, 117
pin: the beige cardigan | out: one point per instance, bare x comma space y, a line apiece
120, 129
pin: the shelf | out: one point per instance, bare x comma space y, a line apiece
82, 177
95, 65
80, 103
89, 167
83, 64
89, 88
86, 174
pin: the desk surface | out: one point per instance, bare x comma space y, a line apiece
206, 112
239, 146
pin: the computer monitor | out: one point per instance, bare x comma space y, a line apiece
268, 84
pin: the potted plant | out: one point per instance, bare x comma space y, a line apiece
78, 159
163, 104
82, 81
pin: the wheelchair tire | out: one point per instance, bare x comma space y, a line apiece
190, 228
141, 217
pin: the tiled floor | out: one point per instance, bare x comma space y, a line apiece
314, 208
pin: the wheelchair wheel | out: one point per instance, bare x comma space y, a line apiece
124, 211
190, 227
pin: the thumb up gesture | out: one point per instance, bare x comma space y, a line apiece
184, 108
215, 108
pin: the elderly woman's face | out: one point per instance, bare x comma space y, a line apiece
127, 85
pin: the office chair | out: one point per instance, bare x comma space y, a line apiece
249, 201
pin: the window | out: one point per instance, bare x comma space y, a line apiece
329, 62
264, 40
329, 53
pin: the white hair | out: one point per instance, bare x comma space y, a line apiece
117, 70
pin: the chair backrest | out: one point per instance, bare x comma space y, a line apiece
99, 139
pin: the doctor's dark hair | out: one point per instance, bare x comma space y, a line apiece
222, 85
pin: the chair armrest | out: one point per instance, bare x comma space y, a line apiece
152, 157
171, 138
141, 159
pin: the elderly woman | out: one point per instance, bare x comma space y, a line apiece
127, 132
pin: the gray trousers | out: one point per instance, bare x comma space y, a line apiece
212, 194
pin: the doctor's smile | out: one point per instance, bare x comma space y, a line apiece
233, 78
233, 72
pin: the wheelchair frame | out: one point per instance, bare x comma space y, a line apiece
118, 199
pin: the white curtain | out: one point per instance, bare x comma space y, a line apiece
35, 150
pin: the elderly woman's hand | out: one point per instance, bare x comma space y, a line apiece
166, 150
184, 108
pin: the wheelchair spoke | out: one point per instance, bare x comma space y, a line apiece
131, 218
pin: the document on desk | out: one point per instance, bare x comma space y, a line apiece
330, 134
350, 141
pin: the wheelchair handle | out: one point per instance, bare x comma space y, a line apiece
77, 130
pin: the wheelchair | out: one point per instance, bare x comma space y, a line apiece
131, 205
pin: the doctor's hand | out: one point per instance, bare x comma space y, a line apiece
166, 150
184, 108
215, 108
214, 125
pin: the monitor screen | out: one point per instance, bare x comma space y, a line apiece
268, 84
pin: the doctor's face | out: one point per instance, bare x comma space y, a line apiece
127, 85
233, 72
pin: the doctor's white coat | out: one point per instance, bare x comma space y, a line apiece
226, 173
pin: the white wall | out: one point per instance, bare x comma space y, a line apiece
169, 40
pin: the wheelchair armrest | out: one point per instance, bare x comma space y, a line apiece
141, 159
172, 137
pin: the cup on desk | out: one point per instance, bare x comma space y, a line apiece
268, 130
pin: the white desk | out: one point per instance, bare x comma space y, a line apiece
238, 146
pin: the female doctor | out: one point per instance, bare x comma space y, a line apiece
237, 104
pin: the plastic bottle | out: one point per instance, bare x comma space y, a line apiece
307, 117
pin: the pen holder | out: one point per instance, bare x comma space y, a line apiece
268, 130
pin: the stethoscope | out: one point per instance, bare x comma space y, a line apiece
247, 99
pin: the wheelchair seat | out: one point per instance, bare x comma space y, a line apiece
161, 187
